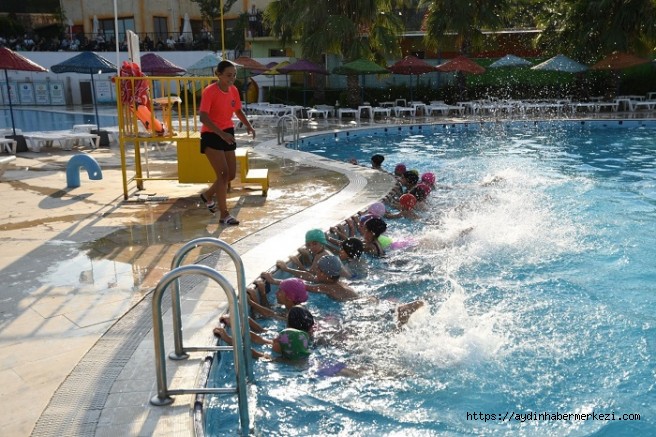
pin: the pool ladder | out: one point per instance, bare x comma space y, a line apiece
290, 122
238, 306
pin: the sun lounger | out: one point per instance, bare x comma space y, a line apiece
647, 104
37, 140
4, 163
348, 111
8, 145
400, 110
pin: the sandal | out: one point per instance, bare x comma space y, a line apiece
211, 206
229, 220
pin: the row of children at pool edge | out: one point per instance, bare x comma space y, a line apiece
326, 260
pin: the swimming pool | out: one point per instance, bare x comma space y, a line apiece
546, 309
31, 120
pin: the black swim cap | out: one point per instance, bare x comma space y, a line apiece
300, 318
411, 177
353, 247
376, 226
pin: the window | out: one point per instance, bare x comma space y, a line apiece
161, 28
124, 24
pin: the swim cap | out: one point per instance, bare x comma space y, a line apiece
353, 247
300, 318
407, 201
330, 265
365, 217
424, 186
376, 209
377, 159
399, 169
411, 177
429, 178
294, 289
420, 192
294, 343
315, 235
376, 226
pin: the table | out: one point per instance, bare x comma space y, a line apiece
166, 103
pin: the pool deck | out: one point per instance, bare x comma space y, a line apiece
78, 361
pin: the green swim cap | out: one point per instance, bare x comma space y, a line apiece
315, 235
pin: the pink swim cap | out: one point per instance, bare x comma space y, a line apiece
399, 169
376, 209
294, 289
424, 186
407, 201
428, 178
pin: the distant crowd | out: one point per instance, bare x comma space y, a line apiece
101, 43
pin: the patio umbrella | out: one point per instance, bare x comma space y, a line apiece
10, 60
460, 65
360, 67
411, 65
510, 61
304, 66
273, 71
89, 63
619, 61
561, 63
250, 64
154, 65
204, 66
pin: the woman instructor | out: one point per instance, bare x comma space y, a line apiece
219, 101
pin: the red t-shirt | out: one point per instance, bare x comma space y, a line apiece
220, 105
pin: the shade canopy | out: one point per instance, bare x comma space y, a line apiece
561, 63
10, 60
273, 70
154, 65
250, 64
204, 66
360, 66
411, 65
85, 62
619, 61
510, 61
460, 64
303, 65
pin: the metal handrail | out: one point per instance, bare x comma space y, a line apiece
294, 124
180, 350
163, 396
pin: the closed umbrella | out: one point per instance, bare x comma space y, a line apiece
186, 30
10, 60
86, 63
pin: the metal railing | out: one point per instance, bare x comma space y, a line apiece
238, 313
288, 121
180, 352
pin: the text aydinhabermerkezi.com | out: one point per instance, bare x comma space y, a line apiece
511, 416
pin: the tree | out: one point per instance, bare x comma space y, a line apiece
464, 20
210, 12
589, 29
352, 29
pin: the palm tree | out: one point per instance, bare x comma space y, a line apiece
588, 29
352, 29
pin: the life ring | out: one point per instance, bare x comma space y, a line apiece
145, 117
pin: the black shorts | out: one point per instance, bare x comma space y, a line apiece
213, 141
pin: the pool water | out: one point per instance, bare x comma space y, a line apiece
547, 304
31, 120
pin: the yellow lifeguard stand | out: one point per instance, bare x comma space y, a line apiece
181, 125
